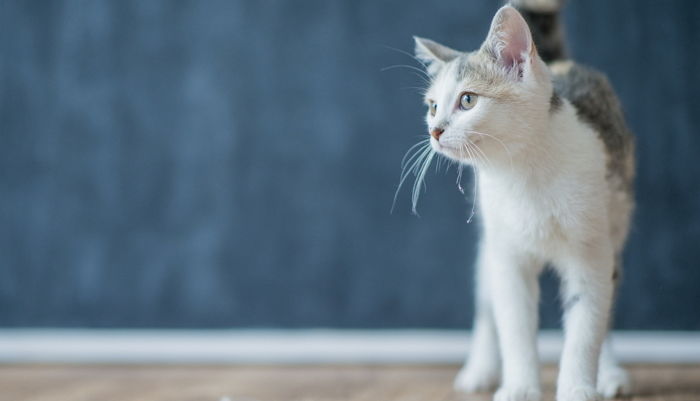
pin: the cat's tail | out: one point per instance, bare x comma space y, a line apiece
543, 17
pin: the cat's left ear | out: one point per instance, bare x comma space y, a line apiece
433, 54
509, 41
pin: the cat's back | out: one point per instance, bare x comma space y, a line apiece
590, 92
587, 89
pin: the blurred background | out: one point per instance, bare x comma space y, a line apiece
232, 164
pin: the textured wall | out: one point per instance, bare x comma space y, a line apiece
232, 163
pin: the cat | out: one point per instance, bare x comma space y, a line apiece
554, 169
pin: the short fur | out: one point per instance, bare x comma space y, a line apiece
554, 163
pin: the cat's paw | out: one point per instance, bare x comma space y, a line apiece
476, 380
614, 382
517, 394
578, 394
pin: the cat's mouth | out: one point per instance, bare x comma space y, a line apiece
459, 148
451, 149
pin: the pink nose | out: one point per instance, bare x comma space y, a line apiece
436, 132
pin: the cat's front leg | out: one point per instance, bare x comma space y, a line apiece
587, 292
482, 371
515, 294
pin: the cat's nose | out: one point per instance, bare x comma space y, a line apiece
436, 132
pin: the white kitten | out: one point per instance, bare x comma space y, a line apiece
554, 168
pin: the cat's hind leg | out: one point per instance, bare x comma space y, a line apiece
588, 291
613, 380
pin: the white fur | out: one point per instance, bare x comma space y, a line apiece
543, 198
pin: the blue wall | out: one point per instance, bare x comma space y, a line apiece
232, 163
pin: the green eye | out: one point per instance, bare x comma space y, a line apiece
467, 101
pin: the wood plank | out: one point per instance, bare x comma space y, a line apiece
289, 383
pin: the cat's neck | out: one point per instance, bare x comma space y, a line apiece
544, 151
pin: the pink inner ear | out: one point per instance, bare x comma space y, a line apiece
517, 46
511, 37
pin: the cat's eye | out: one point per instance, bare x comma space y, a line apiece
467, 100
433, 107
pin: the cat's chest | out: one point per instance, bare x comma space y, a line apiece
533, 219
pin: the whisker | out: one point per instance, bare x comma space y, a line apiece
403, 160
420, 89
510, 156
476, 188
416, 163
410, 67
415, 167
420, 180
424, 77
476, 184
424, 80
407, 54
479, 152
406, 170
450, 164
459, 179
440, 161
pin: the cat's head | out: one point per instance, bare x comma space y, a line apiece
484, 104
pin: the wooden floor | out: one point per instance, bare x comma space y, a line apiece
307, 383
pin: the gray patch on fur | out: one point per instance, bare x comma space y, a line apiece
617, 273
616, 278
596, 104
573, 300
475, 70
554, 103
546, 33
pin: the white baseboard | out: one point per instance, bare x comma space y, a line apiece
303, 346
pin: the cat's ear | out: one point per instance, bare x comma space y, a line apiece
433, 54
509, 41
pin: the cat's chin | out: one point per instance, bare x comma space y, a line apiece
451, 153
